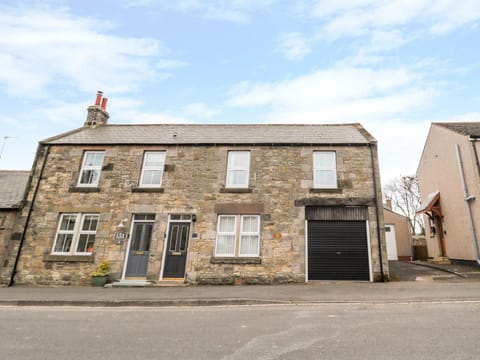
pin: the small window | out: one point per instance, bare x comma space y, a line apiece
324, 170
144, 217
76, 234
238, 235
238, 169
152, 169
91, 168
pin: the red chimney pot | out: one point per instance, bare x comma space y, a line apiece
99, 97
104, 104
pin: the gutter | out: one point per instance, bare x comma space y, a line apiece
378, 208
30, 209
468, 199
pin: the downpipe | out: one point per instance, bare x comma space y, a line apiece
468, 199
375, 192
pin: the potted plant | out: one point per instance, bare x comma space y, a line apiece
100, 276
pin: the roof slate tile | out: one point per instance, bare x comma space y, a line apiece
216, 134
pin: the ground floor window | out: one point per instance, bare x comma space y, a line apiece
75, 234
238, 235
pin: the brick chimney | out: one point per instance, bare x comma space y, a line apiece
97, 114
388, 204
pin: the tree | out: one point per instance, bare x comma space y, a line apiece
405, 196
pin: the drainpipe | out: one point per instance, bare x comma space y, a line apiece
372, 157
468, 199
30, 209
475, 152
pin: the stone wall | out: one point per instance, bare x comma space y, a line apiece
7, 221
193, 183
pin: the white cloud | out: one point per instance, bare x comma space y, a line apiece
294, 46
233, 10
123, 110
343, 93
400, 145
357, 17
200, 110
46, 47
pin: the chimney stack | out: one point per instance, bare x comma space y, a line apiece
388, 203
97, 114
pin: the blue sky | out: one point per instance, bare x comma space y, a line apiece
394, 66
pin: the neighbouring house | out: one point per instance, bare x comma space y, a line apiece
205, 204
12, 193
449, 181
398, 234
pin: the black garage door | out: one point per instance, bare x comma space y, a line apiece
337, 250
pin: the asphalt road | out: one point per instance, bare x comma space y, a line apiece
448, 330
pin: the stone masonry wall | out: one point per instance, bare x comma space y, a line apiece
193, 183
7, 221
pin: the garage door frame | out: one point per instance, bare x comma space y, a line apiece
369, 250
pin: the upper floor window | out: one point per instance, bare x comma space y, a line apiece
152, 169
238, 169
76, 234
324, 170
238, 235
91, 168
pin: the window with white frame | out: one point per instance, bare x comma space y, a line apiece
238, 169
152, 169
91, 168
238, 235
324, 170
76, 234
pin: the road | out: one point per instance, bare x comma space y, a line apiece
443, 330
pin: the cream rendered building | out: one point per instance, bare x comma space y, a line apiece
449, 179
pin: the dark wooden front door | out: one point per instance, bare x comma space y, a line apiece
139, 249
176, 256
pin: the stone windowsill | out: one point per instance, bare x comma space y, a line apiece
148, 190
76, 189
235, 190
326, 191
68, 258
236, 260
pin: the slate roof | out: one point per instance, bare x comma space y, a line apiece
464, 128
12, 188
215, 134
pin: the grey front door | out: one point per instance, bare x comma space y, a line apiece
176, 256
139, 249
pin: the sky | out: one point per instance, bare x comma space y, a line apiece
394, 66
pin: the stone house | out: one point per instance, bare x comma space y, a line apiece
12, 192
205, 204
449, 181
398, 234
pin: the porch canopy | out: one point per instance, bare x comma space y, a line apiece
431, 204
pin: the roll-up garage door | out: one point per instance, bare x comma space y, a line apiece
337, 250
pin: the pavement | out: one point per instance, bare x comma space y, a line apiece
412, 282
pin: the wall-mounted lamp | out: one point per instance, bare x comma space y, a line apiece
194, 217
121, 233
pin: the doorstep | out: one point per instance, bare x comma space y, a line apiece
130, 283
